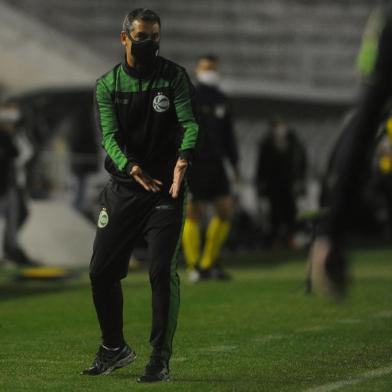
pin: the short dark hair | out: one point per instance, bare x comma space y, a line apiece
144, 14
276, 120
209, 57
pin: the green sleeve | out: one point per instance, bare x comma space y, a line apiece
184, 110
368, 52
107, 124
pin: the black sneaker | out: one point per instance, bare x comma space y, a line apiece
106, 361
218, 273
205, 274
156, 370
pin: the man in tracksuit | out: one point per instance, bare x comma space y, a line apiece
144, 112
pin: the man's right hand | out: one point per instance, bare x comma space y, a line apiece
148, 183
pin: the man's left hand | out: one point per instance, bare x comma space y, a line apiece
328, 268
178, 176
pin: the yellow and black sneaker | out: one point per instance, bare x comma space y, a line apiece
108, 360
156, 370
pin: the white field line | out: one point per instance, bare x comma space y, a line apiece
44, 361
179, 359
383, 314
353, 381
315, 328
220, 349
54, 361
349, 321
269, 338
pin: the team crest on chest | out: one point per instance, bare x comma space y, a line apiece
160, 103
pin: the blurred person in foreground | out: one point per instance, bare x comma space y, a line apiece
208, 180
85, 157
145, 115
383, 170
327, 258
15, 152
280, 178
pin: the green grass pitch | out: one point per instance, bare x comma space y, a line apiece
259, 332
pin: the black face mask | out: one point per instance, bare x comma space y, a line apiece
144, 52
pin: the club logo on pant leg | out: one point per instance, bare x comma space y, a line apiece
103, 218
161, 103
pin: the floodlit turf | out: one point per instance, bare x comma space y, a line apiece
256, 333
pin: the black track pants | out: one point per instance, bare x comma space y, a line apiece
127, 214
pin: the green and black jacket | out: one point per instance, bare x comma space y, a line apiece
146, 120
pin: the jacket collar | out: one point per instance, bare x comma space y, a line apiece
140, 73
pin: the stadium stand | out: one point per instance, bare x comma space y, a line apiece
38, 56
279, 47
276, 55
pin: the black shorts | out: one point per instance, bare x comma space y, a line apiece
128, 215
208, 181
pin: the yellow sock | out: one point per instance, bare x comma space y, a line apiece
217, 233
222, 237
191, 242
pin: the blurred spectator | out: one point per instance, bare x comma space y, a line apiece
8, 150
15, 151
280, 178
208, 180
83, 145
38, 125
